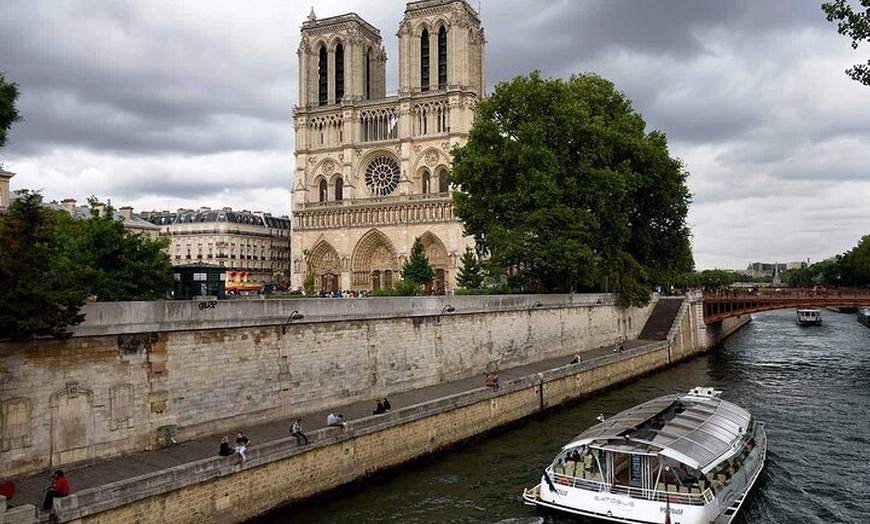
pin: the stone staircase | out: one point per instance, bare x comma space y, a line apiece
661, 319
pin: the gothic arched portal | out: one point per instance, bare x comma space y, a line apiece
325, 264
374, 262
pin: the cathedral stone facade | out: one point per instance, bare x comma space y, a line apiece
370, 168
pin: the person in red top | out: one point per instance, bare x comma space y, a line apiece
59, 488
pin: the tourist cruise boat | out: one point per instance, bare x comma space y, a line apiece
681, 459
809, 316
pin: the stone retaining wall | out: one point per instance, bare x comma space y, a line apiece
134, 368
277, 473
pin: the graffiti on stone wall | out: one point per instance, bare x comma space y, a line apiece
207, 304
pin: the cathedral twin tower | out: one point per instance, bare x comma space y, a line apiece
370, 168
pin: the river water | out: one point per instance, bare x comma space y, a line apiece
810, 385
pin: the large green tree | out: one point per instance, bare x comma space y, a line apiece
39, 298
8, 113
52, 262
855, 24
563, 186
118, 264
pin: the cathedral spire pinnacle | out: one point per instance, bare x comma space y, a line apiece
311, 16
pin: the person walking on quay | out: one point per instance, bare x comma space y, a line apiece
296, 431
59, 487
242, 443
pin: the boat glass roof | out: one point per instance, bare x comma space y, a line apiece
694, 428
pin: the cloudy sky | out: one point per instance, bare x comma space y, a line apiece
161, 104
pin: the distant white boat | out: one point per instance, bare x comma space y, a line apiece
688, 458
809, 316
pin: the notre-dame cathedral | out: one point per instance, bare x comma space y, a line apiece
371, 168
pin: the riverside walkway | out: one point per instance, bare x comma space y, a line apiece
358, 414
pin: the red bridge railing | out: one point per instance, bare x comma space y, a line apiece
719, 305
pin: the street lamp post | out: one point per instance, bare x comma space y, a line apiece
295, 315
447, 309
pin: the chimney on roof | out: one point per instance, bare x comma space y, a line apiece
228, 209
126, 212
203, 209
69, 205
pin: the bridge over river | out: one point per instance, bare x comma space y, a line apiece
719, 305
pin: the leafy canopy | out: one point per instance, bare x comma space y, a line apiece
8, 113
51, 263
855, 24
118, 264
39, 298
563, 187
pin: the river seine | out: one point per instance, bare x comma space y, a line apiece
810, 385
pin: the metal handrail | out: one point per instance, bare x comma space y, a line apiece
692, 499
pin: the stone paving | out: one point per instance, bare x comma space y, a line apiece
30, 489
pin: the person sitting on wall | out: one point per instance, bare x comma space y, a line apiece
576, 359
296, 431
387, 405
336, 420
225, 450
379, 410
491, 380
242, 443
59, 487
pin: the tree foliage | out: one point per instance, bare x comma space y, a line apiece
417, 268
470, 274
51, 263
118, 264
8, 113
40, 299
563, 187
855, 24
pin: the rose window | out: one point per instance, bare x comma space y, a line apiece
382, 176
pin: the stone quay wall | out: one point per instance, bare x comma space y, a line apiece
136, 371
278, 472
215, 490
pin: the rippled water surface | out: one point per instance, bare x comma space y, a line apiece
810, 385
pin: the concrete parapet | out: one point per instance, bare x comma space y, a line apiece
117, 318
27, 514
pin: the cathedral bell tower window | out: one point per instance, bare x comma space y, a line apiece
323, 191
322, 78
339, 73
339, 189
442, 58
424, 61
